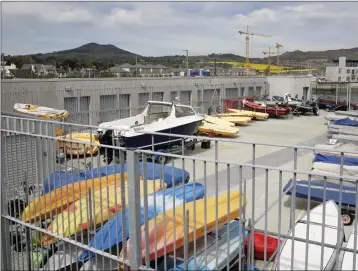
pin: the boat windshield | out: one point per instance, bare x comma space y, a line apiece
158, 111
183, 111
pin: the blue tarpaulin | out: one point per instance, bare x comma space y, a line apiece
332, 159
317, 192
345, 122
170, 175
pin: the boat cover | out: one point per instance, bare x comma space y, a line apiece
333, 159
345, 122
332, 191
111, 232
60, 178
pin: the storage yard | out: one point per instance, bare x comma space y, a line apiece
242, 162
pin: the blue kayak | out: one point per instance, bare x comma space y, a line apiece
332, 192
170, 175
111, 232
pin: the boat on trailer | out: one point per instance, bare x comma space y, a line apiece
158, 116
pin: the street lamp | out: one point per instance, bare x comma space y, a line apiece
3, 65
187, 67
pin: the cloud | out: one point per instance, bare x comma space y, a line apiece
166, 28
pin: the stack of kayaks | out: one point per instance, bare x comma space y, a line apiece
40, 111
235, 119
217, 126
104, 203
246, 113
57, 200
201, 217
79, 149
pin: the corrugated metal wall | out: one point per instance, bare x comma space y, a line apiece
208, 96
251, 91
108, 105
185, 97
157, 96
124, 105
231, 93
20, 158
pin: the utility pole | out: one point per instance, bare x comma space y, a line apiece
3, 65
215, 68
187, 63
136, 69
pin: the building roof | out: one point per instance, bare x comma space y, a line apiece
139, 66
126, 65
117, 69
177, 70
161, 66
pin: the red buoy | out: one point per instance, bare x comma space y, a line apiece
259, 245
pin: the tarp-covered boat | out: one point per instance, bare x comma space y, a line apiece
172, 175
105, 203
40, 111
332, 164
345, 122
56, 201
87, 147
111, 233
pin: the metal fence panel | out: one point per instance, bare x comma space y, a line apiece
163, 222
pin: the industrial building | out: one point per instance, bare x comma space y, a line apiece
92, 101
343, 70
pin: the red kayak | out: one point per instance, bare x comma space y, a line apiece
259, 245
277, 110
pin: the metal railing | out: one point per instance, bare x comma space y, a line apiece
154, 224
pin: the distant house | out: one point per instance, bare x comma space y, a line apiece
40, 69
148, 70
89, 72
177, 72
6, 69
120, 72
61, 72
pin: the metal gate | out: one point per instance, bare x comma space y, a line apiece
71, 105
124, 105
108, 105
157, 96
155, 221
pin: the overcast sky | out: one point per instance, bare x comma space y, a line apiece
166, 28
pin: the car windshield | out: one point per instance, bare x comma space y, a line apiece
183, 111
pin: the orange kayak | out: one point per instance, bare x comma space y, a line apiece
57, 200
105, 203
175, 224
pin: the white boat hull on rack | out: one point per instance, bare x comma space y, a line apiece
316, 226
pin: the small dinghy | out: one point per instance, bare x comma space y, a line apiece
40, 111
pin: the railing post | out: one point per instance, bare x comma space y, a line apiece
134, 209
5, 257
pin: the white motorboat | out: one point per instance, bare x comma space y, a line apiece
158, 116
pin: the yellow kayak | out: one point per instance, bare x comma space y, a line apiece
218, 121
72, 148
216, 129
237, 119
56, 201
246, 113
105, 204
41, 111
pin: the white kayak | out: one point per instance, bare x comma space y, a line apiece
347, 261
315, 234
40, 111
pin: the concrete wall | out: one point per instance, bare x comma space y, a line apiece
279, 85
52, 93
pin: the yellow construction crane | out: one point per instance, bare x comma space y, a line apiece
278, 53
269, 54
248, 34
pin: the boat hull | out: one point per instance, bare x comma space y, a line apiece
143, 140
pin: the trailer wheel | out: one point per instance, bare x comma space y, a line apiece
192, 147
347, 219
162, 159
